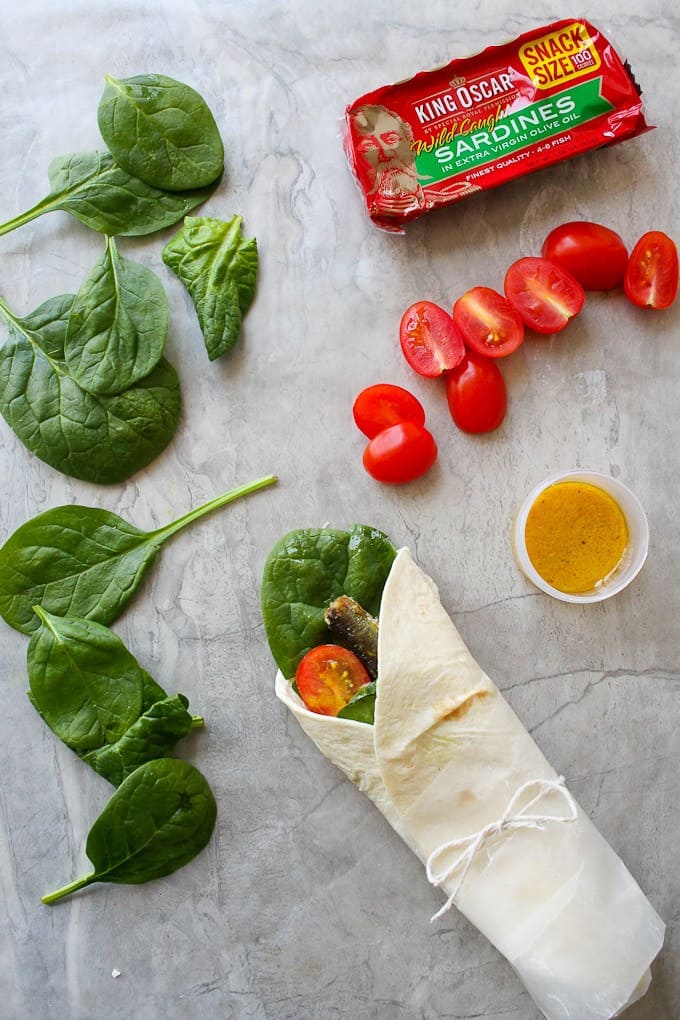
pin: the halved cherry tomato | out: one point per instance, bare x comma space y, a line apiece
430, 339
595, 255
476, 394
377, 407
651, 279
544, 294
328, 677
489, 324
400, 453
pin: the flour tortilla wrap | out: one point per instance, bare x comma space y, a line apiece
444, 758
349, 745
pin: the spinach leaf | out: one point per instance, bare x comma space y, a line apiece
158, 819
151, 736
91, 692
362, 706
219, 269
161, 131
93, 188
83, 561
95, 438
84, 682
153, 692
118, 325
49, 321
305, 571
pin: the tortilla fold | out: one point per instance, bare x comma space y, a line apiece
442, 763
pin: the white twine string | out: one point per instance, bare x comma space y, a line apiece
511, 818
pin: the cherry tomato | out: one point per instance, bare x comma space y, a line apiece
377, 407
400, 453
430, 339
544, 294
594, 254
328, 677
489, 324
651, 279
476, 394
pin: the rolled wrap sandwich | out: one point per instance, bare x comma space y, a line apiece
456, 774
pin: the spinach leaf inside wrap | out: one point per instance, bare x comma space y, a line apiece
309, 568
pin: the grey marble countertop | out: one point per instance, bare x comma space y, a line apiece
305, 903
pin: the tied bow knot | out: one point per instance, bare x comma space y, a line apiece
513, 817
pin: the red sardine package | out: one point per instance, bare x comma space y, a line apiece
553, 93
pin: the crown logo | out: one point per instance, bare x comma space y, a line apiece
458, 80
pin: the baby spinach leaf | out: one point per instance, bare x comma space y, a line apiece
96, 438
362, 706
158, 819
219, 269
153, 735
93, 188
82, 561
305, 571
49, 322
161, 131
152, 692
118, 325
94, 695
84, 682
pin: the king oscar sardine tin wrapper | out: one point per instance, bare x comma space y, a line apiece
480, 121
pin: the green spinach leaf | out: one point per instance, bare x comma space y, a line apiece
93, 188
362, 706
153, 692
152, 736
161, 131
219, 269
158, 819
91, 692
305, 571
83, 561
96, 438
118, 325
84, 682
49, 321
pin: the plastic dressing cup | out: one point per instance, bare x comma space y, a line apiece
634, 555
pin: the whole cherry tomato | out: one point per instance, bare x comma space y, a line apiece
377, 407
328, 677
430, 339
651, 279
594, 254
400, 453
476, 394
543, 293
488, 323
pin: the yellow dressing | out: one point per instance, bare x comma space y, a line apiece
575, 535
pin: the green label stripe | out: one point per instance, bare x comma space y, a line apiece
518, 130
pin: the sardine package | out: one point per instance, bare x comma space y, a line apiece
555, 92
456, 774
